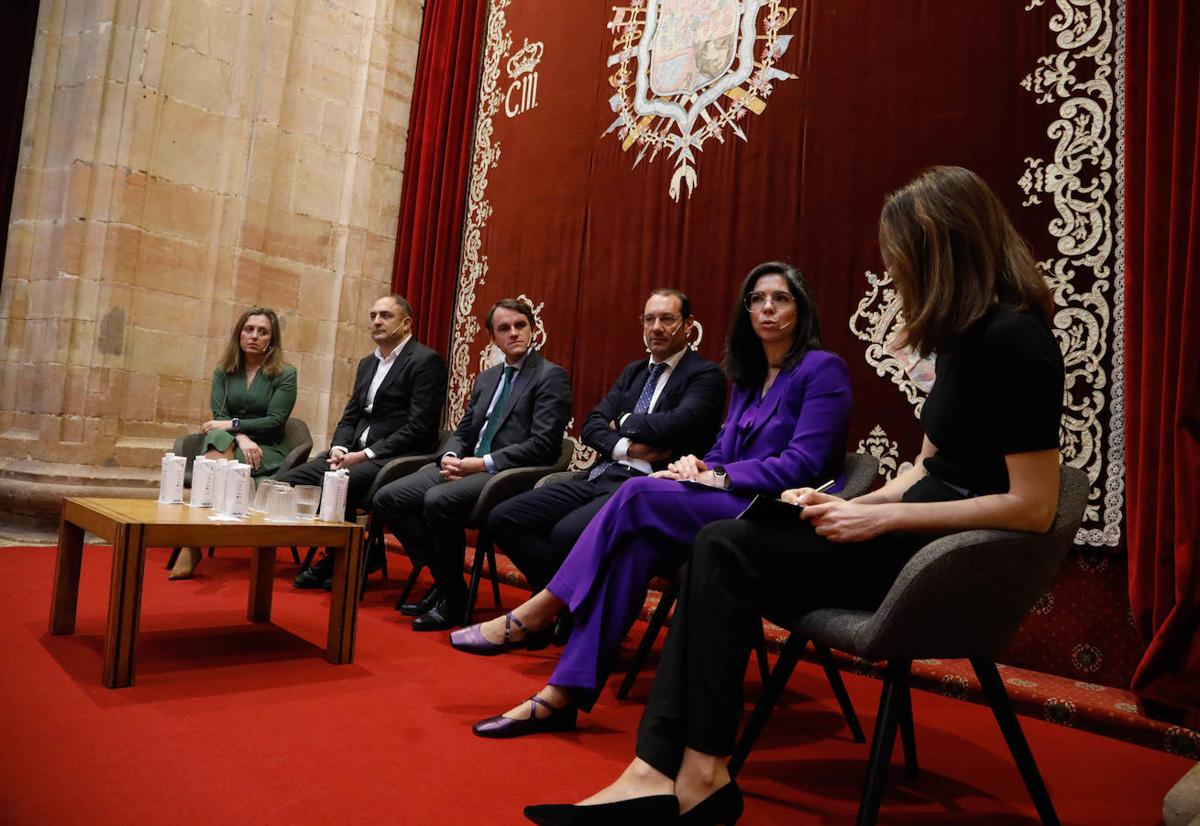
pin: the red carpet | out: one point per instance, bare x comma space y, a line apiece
230, 722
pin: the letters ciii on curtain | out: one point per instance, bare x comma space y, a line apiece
639, 150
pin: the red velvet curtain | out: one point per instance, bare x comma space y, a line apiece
1162, 295
437, 164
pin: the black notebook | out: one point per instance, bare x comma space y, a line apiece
768, 507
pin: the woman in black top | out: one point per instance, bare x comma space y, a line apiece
971, 292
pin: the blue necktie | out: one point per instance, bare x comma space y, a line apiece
493, 421
642, 406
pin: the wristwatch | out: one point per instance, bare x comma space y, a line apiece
722, 478
237, 425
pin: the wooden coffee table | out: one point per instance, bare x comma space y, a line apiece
132, 525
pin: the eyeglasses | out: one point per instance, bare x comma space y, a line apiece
756, 301
666, 320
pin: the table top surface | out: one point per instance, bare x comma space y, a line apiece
151, 512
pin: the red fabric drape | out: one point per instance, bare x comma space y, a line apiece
1162, 171
437, 164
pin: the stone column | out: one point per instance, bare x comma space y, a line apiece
180, 161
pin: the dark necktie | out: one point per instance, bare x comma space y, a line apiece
642, 406
493, 421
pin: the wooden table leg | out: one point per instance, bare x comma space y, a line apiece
124, 605
66, 578
343, 607
262, 580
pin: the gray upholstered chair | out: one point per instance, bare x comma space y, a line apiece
961, 596
503, 485
862, 471
298, 436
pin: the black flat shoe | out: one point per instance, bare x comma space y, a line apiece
501, 727
416, 609
441, 617
638, 811
721, 808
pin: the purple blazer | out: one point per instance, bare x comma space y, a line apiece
794, 436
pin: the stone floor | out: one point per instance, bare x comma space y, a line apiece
24, 534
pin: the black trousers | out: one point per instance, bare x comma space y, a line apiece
738, 572
428, 515
312, 472
537, 530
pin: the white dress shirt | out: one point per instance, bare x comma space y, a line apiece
620, 452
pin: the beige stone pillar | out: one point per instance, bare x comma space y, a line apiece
181, 160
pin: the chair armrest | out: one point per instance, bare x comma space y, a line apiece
297, 456
505, 485
561, 476
397, 468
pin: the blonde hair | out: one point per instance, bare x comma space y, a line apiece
953, 254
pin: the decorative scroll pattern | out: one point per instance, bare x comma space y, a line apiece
878, 444
1083, 181
485, 155
679, 123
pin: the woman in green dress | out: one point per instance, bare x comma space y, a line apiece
253, 393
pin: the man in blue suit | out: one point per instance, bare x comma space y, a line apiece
516, 416
662, 407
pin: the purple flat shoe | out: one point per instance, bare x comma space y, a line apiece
501, 727
472, 641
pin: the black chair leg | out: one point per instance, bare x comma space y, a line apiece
308, 558
174, 556
834, 676
760, 648
772, 689
997, 697
473, 588
495, 574
657, 619
408, 586
891, 708
908, 735
211, 551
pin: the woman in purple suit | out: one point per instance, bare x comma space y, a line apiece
786, 427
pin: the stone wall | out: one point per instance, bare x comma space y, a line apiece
181, 160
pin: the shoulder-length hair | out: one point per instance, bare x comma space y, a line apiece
745, 361
953, 254
232, 361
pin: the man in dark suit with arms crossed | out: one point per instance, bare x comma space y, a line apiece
515, 418
659, 409
399, 391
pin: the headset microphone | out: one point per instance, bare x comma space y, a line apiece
789, 324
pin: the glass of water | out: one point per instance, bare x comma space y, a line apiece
308, 497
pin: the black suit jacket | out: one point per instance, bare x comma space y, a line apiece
686, 417
534, 417
404, 417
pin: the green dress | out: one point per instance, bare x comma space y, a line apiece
263, 409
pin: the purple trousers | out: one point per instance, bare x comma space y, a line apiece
647, 524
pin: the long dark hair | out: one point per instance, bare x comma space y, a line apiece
233, 360
953, 254
745, 362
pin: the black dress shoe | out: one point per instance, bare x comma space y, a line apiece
317, 575
558, 719
416, 609
638, 811
443, 616
724, 807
